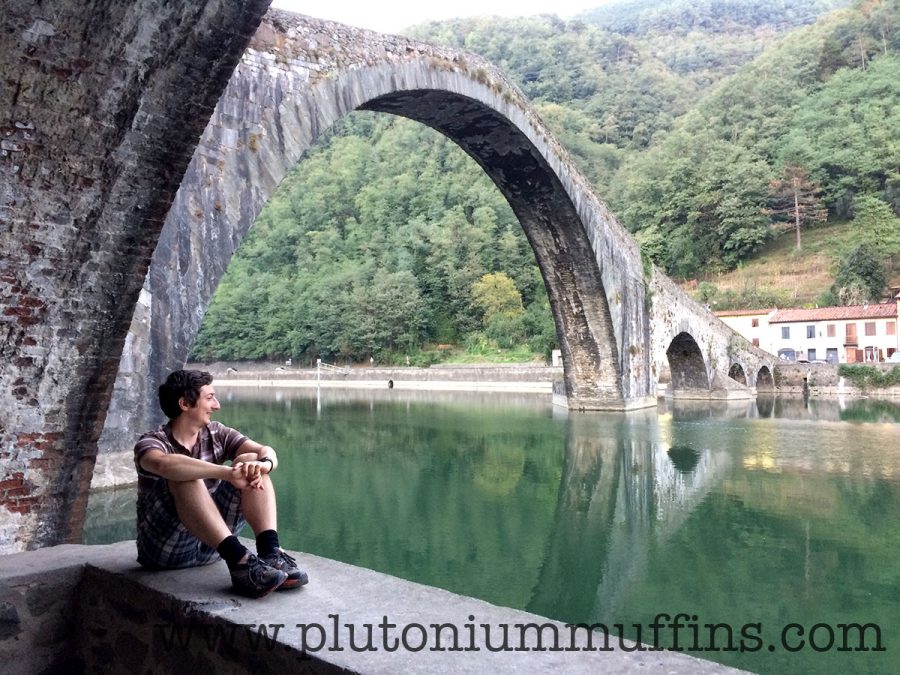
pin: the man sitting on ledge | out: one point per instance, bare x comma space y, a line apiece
191, 504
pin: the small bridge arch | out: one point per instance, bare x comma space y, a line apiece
686, 364
736, 373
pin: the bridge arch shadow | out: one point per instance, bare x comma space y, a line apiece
686, 364
736, 373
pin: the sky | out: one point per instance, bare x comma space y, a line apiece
390, 16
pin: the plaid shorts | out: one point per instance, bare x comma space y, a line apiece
162, 540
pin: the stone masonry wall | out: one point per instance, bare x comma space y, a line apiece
101, 104
37, 633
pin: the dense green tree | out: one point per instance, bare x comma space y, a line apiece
879, 223
776, 112
495, 294
370, 247
846, 134
861, 276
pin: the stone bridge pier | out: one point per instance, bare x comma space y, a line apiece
161, 129
101, 105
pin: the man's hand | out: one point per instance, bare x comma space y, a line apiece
247, 475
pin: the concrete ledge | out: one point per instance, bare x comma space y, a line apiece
92, 608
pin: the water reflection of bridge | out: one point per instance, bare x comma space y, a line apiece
624, 490
630, 483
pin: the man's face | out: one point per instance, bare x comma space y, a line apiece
207, 404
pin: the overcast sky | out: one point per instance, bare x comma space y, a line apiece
390, 16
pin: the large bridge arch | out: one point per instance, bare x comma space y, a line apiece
550, 219
292, 84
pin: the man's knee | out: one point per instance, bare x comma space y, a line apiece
189, 493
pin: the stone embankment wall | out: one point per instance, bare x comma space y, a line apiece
524, 373
822, 379
91, 609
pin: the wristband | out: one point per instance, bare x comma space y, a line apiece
269, 460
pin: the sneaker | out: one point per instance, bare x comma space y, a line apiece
255, 578
285, 563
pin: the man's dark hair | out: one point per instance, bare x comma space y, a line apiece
181, 384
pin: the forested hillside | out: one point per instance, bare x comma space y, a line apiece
699, 122
817, 116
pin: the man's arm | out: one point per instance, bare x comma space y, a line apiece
251, 451
183, 468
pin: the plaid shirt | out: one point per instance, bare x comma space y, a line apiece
216, 444
162, 540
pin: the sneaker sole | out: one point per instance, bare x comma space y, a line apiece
293, 583
257, 594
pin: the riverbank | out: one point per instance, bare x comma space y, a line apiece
790, 379
512, 377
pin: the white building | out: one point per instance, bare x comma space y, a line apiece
850, 334
753, 324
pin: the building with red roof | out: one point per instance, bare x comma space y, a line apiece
850, 334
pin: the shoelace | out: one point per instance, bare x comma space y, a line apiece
287, 558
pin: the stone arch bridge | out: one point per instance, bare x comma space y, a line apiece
102, 108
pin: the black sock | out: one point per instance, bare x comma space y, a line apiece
231, 550
266, 543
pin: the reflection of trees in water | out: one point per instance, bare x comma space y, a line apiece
451, 495
871, 411
110, 516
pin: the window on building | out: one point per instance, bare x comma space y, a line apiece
756, 342
891, 328
831, 331
810, 332
811, 354
754, 323
851, 333
870, 328
785, 332
831, 355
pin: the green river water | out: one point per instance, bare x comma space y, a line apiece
775, 522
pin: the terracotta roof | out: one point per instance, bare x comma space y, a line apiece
879, 311
742, 312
